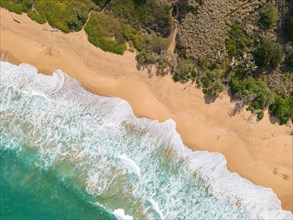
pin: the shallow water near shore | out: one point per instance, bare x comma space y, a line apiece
71, 154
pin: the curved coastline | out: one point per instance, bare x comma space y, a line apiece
113, 75
261, 202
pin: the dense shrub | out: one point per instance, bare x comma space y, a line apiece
268, 16
237, 41
260, 115
212, 83
281, 108
17, 6
180, 49
101, 3
268, 54
254, 93
104, 31
288, 23
185, 70
183, 7
34, 15
144, 58
289, 58
150, 15
65, 15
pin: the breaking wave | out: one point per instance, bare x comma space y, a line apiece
132, 167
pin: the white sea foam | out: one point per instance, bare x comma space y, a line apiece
120, 215
130, 163
57, 117
156, 208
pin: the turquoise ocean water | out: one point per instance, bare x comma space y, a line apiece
68, 154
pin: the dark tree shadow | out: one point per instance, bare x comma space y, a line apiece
208, 99
141, 67
237, 108
274, 120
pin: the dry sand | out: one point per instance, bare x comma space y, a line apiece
259, 151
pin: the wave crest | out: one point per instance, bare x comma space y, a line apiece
174, 178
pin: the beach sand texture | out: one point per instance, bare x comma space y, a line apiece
259, 151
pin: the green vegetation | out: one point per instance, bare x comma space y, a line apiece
288, 23
268, 17
212, 83
101, 3
150, 15
17, 6
182, 8
254, 93
105, 32
289, 58
209, 80
34, 15
146, 25
282, 108
65, 15
268, 54
238, 40
184, 71
260, 115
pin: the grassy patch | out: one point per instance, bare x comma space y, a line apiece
106, 32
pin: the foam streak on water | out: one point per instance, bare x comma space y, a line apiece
133, 168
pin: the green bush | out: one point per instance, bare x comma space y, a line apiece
282, 108
268, 54
184, 7
237, 41
180, 49
289, 58
260, 115
152, 15
34, 15
66, 15
144, 58
288, 23
104, 31
254, 93
184, 71
101, 3
212, 83
268, 17
17, 6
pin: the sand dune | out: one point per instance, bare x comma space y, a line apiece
259, 151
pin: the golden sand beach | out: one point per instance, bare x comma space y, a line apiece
259, 151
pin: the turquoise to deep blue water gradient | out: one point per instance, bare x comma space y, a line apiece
68, 154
